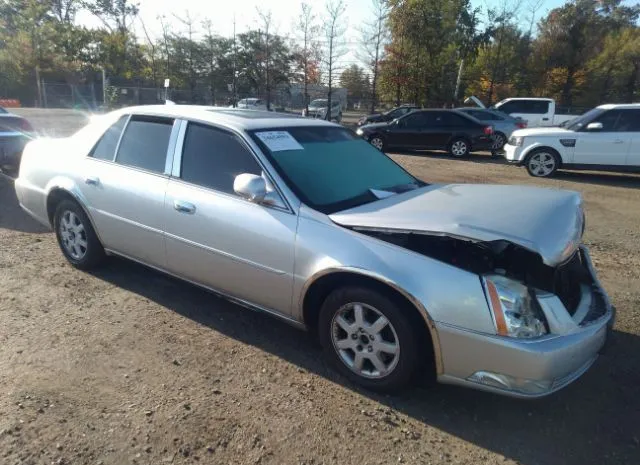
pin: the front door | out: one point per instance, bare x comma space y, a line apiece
125, 196
606, 146
217, 239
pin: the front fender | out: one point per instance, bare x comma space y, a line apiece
443, 292
566, 153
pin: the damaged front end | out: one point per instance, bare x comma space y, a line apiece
551, 322
573, 282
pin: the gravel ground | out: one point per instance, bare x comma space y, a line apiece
126, 365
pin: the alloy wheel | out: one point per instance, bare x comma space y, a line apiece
498, 142
542, 164
365, 340
377, 143
73, 235
459, 148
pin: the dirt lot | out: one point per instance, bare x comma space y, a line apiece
129, 366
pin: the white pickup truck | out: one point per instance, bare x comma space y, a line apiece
538, 112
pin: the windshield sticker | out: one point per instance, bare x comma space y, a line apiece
278, 141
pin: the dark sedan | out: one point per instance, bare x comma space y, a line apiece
15, 132
449, 130
387, 116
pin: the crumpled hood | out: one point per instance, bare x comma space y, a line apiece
548, 222
541, 132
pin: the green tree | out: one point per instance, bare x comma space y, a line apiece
356, 82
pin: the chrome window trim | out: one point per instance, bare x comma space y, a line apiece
171, 148
124, 130
126, 125
177, 166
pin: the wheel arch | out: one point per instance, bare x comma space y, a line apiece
318, 288
539, 147
58, 192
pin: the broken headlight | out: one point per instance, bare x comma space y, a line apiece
515, 311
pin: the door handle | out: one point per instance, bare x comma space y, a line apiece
184, 207
618, 141
92, 181
545, 119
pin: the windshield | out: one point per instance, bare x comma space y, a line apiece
578, 123
330, 168
319, 103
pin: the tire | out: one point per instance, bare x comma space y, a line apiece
76, 237
542, 163
459, 148
378, 142
348, 339
499, 141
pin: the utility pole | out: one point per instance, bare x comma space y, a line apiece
455, 94
104, 87
235, 55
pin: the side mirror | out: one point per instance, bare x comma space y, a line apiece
250, 187
594, 127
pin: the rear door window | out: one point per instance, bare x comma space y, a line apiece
106, 147
145, 142
629, 121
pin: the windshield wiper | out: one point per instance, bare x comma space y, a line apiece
400, 188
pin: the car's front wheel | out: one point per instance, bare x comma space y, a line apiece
369, 338
542, 163
76, 237
378, 142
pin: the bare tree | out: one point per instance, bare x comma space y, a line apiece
502, 16
532, 9
152, 52
334, 30
188, 23
165, 40
308, 30
374, 35
65, 10
265, 21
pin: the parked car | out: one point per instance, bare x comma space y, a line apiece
251, 104
539, 112
450, 130
388, 115
477, 285
318, 109
15, 132
605, 138
503, 124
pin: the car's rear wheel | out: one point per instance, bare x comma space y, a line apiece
499, 141
76, 236
459, 148
368, 338
542, 163
378, 142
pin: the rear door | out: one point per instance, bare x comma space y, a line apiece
124, 182
608, 146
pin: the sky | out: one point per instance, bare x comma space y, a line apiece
284, 13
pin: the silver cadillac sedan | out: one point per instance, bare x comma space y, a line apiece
484, 286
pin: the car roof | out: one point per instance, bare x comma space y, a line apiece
239, 119
624, 106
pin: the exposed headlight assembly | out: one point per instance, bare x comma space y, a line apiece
516, 141
515, 311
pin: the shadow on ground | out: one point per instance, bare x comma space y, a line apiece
593, 421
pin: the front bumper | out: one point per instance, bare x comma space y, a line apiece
513, 154
530, 368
